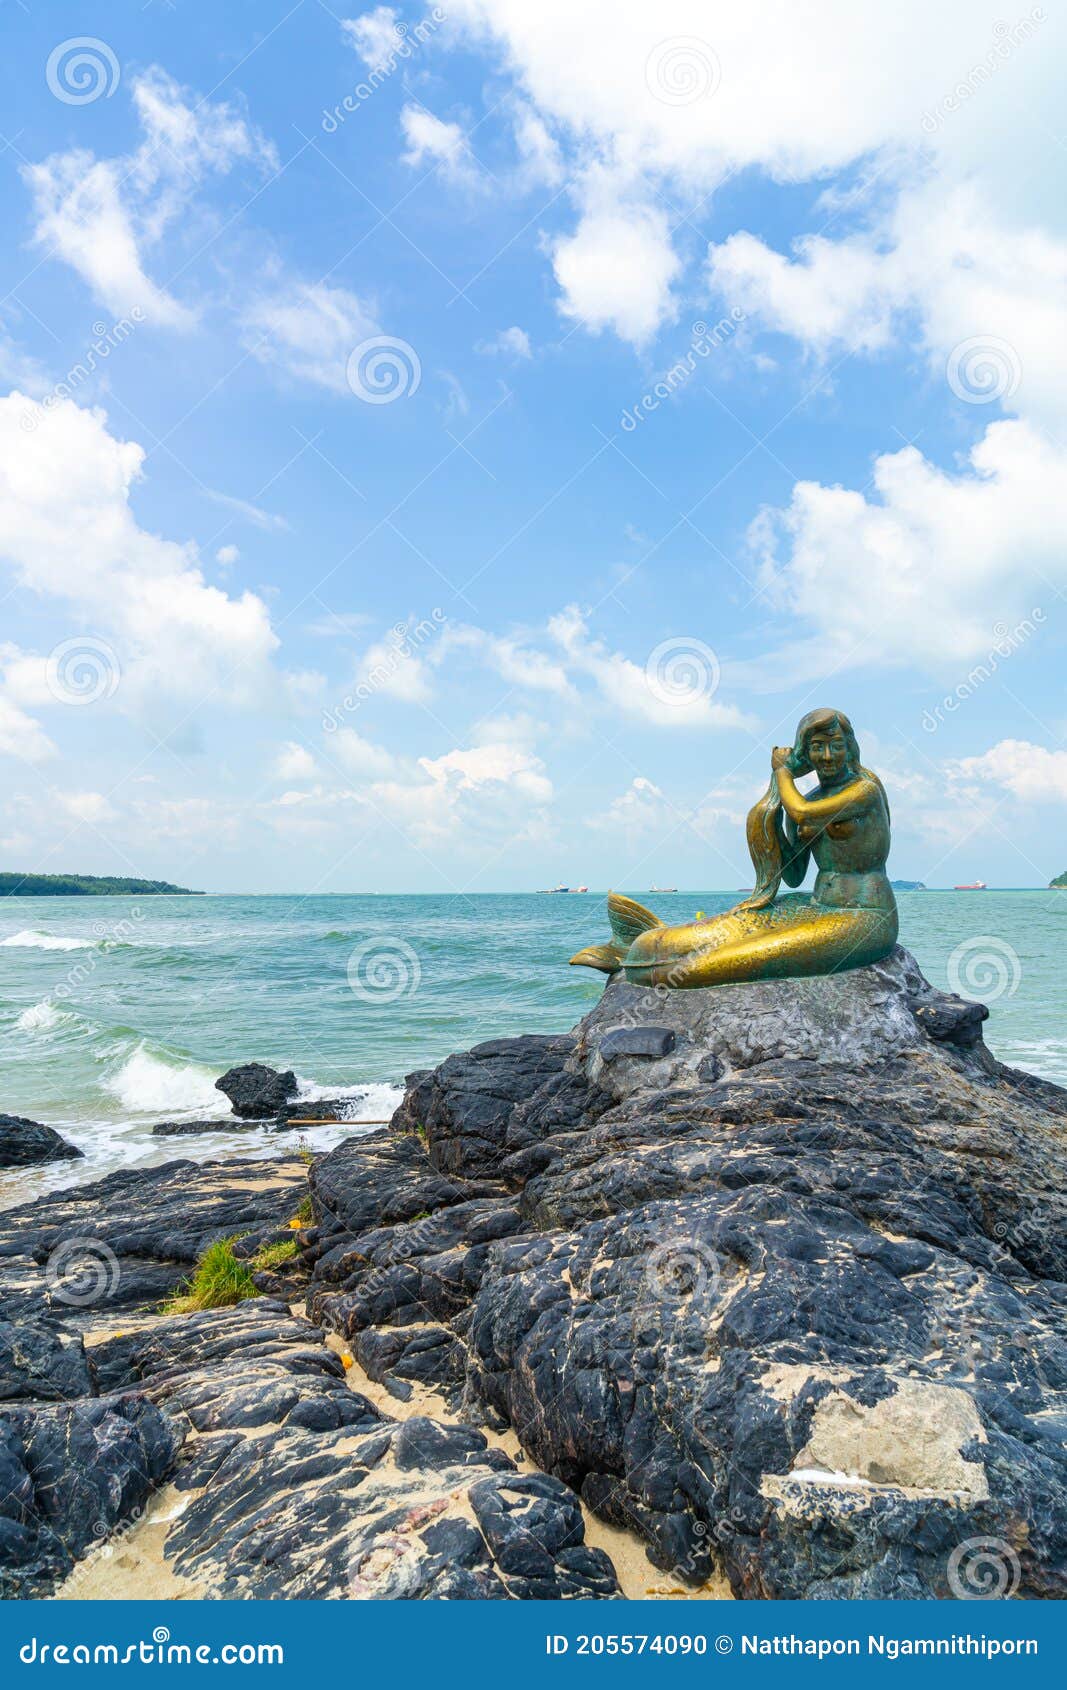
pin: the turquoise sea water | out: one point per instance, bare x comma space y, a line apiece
116, 1013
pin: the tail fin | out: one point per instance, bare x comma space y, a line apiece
628, 919
608, 958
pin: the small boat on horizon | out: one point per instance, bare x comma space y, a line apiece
663, 888
972, 886
551, 891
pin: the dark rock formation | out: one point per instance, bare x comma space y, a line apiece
336, 1499
69, 1474
498, 1098
288, 1118
949, 1019
789, 1298
294, 1484
41, 1362
411, 1509
182, 1129
256, 1091
129, 1240
22, 1143
783, 1293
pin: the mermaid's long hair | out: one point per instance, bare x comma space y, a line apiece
776, 852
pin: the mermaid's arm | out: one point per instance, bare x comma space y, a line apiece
850, 801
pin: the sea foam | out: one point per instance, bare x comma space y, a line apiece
366, 1102
30, 939
149, 1084
40, 1017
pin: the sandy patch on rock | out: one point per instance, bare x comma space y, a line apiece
131, 1566
912, 1440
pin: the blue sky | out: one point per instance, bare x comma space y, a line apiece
723, 367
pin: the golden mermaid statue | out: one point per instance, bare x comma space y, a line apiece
849, 919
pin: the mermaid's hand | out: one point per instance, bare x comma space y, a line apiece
781, 757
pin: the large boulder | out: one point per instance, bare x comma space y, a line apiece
778, 1283
257, 1092
482, 1106
23, 1143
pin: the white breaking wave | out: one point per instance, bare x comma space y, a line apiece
40, 1017
148, 1084
30, 939
374, 1103
366, 1102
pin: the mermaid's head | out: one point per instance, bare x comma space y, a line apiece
825, 743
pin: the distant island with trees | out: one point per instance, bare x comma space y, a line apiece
83, 885
1060, 880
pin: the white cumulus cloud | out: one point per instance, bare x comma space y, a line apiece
1029, 772
68, 532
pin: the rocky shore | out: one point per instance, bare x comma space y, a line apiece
768, 1280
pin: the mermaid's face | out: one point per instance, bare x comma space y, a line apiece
827, 753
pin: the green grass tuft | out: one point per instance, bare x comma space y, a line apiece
218, 1281
273, 1255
